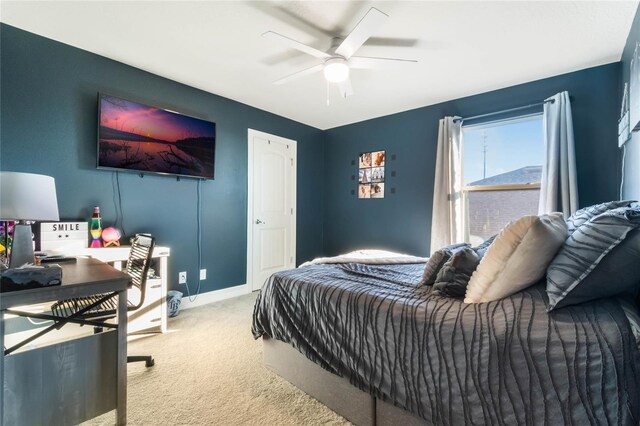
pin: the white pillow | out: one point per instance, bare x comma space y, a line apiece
518, 257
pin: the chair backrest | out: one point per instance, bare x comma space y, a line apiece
139, 262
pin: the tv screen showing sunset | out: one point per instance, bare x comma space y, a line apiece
142, 138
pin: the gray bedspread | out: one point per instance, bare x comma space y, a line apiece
499, 363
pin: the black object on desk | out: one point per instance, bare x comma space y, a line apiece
57, 259
27, 277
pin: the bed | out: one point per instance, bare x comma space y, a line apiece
376, 347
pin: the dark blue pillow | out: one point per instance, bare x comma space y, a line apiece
618, 272
600, 259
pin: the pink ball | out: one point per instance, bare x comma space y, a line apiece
111, 234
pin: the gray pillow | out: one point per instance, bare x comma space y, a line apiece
454, 276
440, 257
584, 215
437, 261
600, 259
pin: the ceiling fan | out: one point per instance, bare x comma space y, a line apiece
339, 59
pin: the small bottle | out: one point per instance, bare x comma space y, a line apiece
96, 228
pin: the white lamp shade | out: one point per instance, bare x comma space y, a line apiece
27, 196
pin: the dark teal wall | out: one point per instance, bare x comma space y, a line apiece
402, 221
632, 166
49, 115
48, 112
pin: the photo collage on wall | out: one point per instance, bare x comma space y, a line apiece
371, 174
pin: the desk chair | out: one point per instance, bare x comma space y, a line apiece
101, 308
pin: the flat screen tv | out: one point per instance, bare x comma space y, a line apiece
145, 139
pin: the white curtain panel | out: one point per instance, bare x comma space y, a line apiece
559, 186
447, 217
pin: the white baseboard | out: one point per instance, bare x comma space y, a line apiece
214, 296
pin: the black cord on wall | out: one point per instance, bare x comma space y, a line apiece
120, 203
199, 241
117, 202
115, 198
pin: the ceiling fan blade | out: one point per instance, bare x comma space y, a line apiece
345, 88
378, 63
392, 42
299, 74
296, 45
365, 28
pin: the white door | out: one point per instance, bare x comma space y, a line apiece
271, 216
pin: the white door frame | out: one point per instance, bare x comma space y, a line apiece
294, 178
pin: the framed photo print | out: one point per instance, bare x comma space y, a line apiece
377, 159
371, 174
377, 190
377, 174
365, 160
364, 191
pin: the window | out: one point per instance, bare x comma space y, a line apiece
502, 167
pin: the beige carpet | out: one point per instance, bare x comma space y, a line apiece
209, 371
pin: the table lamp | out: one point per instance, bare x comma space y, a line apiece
23, 197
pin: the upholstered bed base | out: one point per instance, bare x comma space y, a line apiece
333, 391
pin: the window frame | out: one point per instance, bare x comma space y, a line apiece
502, 187
466, 189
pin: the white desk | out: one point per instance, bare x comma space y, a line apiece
152, 315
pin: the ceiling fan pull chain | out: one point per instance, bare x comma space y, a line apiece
328, 102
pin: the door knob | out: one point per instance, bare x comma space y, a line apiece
258, 222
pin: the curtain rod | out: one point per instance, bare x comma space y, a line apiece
504, 111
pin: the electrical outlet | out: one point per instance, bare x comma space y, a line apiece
203, 274
182, 277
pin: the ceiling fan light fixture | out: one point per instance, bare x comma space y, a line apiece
336, 70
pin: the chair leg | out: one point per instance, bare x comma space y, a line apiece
148, 359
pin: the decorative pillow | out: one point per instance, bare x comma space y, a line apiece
437, 261
584, 215
517, 258
454, 276
600, 259
481, 250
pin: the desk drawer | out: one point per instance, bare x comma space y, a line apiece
62, 384
149, 317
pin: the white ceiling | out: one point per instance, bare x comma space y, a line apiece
463, 48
